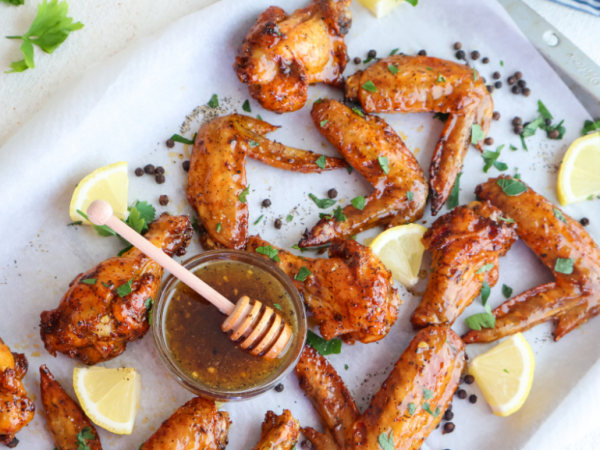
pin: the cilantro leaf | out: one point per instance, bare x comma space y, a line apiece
544, 111
559, 215
125, 289
102, 230
246, 107
384, 163
358, 202
253, 143
219, 227
321, 162
323, 123
559, 127
482, 320
523, 144
323, 203
427, 394
243, 194
477, 134
181, 139
485, 292
513, 148
214, 101
346, 366
258, 117
393, 52
269, 251
392, 68
297, 247
428, 410
369, 86
410, 196
590, 127
147, 211
369, 59
259, 219
84, 435
387, 443
149, 304
135, 220
507, 291
440, 78
339, 214
412, 408
532, 127
413, 2
564, 265
453, 197
485, 268
74, 224
332, 347
359, 112
88, 281
289, 218
511, 187
491, 159
303, 274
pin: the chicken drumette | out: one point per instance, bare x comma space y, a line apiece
16, 410
464, 242
107, 306
278, 432
283, 54
351, 294
403, 83
563, 246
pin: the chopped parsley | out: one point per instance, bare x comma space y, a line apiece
477, 134
332, 347
323, 123
259, 219
244, 193
303, 274
149, 303
181, 139
277, 305
512, 187
84, 435
453, 197
297, 247
474, 74
507, 291
564, 265
258, 117
369, 86
88, 281
412, 408
410, 196
513, 148
321, 162
125, 289
393, 52
485, 292
485, 268
384, 163
349, 169
482, 320
427, 394
253, 143
74, 224
504, 219
491, 159
289, 218
358, 202
590, 127
559, 215
322, 203
219, 227
246, 107
429, 68
358, 111
427, 409
392, 68
269, 251
387, 443
442, 117
214, 101
440, 78
339, 214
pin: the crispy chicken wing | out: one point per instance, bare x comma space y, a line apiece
463, 241
574, 297
217, 176
421, 84
196, 425
409, 405
64, 417
363, 140
93, 322
351, 294
282, 54
16, 410
278, 432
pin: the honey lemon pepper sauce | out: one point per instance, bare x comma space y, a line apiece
193, 326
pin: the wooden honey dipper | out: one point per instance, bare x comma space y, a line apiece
263, 331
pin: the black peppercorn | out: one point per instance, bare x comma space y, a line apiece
449, 407
460, 54
139, 172
473, 398
462, 394
511, 81
526, 92
517, 121
475, 55
332, 193
13, 443
519, 130
266, 203
372, 54
487, 141
490, 88
159, 170
278, 223
149, 169
585, 221
422, 53
485, 60
496, 75
279, 387
170, 143
498, 84
457, 46
357, 60
496, 115
469, 379
554, 134
483, 79
160, 178
186, 165
518, 75
306, 445
548, 122
516, 89
522, 83
448, 415
163, 200
449, 427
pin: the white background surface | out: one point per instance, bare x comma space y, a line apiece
111, 26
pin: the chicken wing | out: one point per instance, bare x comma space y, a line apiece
351, 294
403, 83
107, 306
195, 425
282, 54
217, 175
400, 185
278, 432
464, 243
564, 247
16, 410
409, 405
67, 422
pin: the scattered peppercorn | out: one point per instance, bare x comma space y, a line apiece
496, 115
522, 83
332, 193
585, 221
475, 55
149, 169
517, 121
372, 54
13, 443
511, 81
448, 415
473, 398
548, 122
519, 130
357, 60
186, 165
139, 172
159, 170
518, 75
460, 54
462, 394
306, 445
496, 75
485, 60
449, 427
422, 53
469, 379
163, 200
498, 84
160, 178
278, 223
526, 92
490, 88
266, 203
279, 387
488, 141
170, 143
554, 134
457, 46
516, 89
449, 407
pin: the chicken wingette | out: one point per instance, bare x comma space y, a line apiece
278, 432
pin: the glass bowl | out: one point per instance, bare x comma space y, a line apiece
195, 385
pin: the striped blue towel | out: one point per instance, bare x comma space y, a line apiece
588, 6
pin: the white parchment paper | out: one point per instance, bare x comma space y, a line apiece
126, 108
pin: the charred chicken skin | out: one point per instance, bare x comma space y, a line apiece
351, 294
464, 243
363, 140
16, 410
64, 417
574, 297
282, 54
421, 84
278, 432
409, 405
196, 425
217, 175
93, 322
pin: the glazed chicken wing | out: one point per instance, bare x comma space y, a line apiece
66, 420
217, 175
16, 410
196, 425
564, 247
464, 243
421, 84
282, 54
363, 140
409, 405
96, 317
351, 294
278, 432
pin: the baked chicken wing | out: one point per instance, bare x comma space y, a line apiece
282, 54
409, 405
107, 306
217, 176
351, 294
564, 247
67, 422
400, 185
403, 83
16, 410
464, 242
196, 425
278, 432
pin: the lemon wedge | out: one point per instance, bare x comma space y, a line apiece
109, 397
401, 251
505, 374
382, 7
579, 174
109, 183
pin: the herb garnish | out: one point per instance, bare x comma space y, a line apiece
322, 161
253, 144
259, 219
88, 281
412, 408
303, 274
181, 139
485, 292
474, 74
481, 320
14, 2
384, 163
485, 268
392, 68
358, 202
339, 214
258, 117
491, 159
429, 68
269, 251
507, 291
413, 2
590, 127
332, 347
323, 203
427, 394
149, 303
107, 286
440, 78
564, 265
243, 194
427, 409
74, 224
387, 443
369, 59
246, 107
219, 227
140, 215
358, 111
277, 305
84, 435
346, 366
393, 52
504, 219
323, 123
125, 289
559, 215
289, 218
297, 247
410, 196
214, 101
369, 86
511, 187
349, 169
453, 197
513, 148
477, 134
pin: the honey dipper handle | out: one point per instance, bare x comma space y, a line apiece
100, 213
